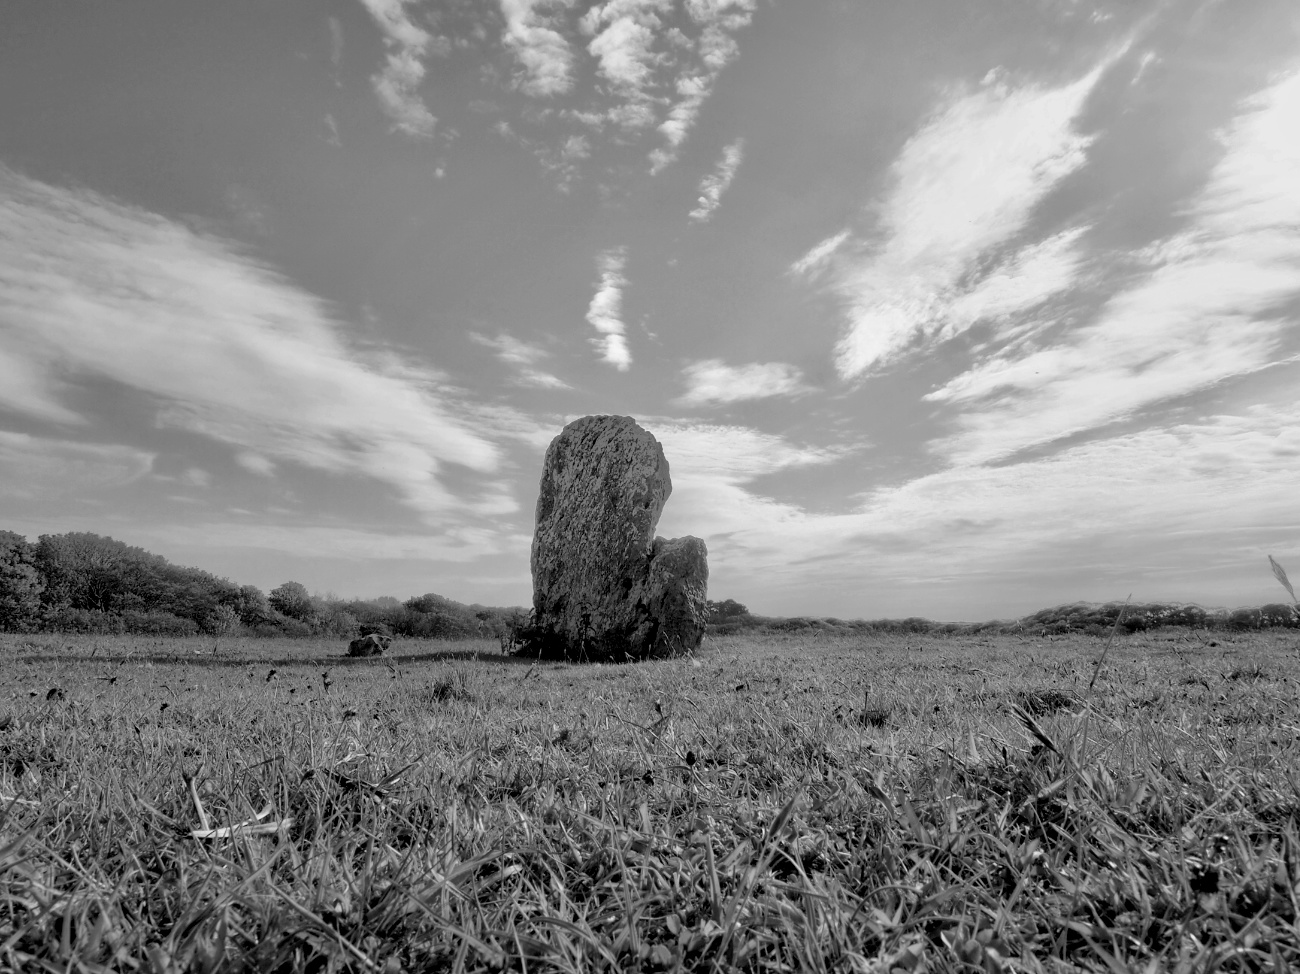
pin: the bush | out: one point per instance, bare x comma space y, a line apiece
1245, 619
221, 621
1279, 614
336, 623
85, 621
159, 624
276, 626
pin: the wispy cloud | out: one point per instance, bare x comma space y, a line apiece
1023, 280
719, 21
715, 183
397, 85
94, 290
1208, 307
541, 50
25, 391
336, 46
43, 467
712, 381
963, 188
713, 469
819, 255
605, 313
523, 357
332, 131
457, 544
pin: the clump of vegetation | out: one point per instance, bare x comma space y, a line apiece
1046, 700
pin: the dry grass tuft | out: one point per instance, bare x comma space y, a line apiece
1046, 700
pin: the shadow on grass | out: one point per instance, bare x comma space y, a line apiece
218, 661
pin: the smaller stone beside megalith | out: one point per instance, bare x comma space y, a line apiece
679, 594
598, 590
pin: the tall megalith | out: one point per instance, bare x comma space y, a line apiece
604, 587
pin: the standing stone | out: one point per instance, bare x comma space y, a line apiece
604, 587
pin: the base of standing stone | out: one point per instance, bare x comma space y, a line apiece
671, 621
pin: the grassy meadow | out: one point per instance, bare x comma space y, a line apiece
882, 803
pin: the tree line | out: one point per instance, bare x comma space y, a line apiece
729, 617
87, 583
82, 582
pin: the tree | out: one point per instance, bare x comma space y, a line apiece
20, 583
291, 599
432, 602
86, 571
252, 605
724, 610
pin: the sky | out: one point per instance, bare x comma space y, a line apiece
943, 308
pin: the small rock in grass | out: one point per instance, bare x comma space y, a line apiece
371, 645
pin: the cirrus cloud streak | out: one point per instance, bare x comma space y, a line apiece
1207, 307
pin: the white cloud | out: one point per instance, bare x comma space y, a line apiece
332, 131
575, 147
712, 453
397, 86
464, 543
91, 289
24, 391
963, 186
715, 184
541, 50
623, 46
196, 477
819, 255
523, 357
606, 309
255, 463
1027, 278
649, 74
336, 45
712, 469
692, 92
1208, 309
623, 51
713, 381
35, 468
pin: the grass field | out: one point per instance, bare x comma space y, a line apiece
915, 804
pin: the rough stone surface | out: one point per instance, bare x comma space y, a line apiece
679, 592
372, 645
603, 586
